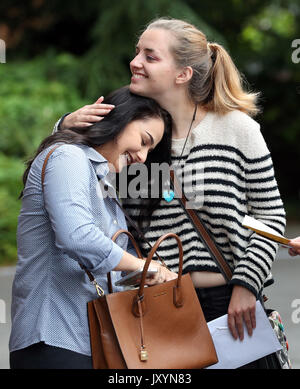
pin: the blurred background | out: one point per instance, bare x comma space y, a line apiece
62, 55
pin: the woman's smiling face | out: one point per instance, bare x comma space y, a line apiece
134, 142
153, 69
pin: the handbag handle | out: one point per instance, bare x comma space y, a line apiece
135, 245
177, 295
139, 307
137, 249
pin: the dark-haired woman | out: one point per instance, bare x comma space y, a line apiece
67, 222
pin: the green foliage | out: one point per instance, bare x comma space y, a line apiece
280, 22
11, 170
34, 95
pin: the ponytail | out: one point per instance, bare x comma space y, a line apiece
227, 91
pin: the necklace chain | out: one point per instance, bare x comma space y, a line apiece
192, 121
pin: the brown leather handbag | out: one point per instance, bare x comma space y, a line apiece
157, 327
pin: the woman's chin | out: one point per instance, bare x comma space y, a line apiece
134, 88
119, 166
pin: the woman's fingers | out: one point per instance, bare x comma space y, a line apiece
292, 252
241, 312
93, 113
99, 100
249, 321
89, 118
295, 247
87, 115
156, 278
162, 275
236, 324
98, 109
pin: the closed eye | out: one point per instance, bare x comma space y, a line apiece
150, 138
149, 58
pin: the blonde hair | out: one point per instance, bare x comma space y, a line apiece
216, 82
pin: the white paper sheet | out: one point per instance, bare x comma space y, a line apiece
235, 353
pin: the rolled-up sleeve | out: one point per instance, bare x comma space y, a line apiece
67, 198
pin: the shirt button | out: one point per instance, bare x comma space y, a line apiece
115, 222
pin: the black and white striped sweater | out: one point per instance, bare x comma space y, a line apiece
230, 154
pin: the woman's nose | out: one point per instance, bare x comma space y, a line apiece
142, 155
136, 62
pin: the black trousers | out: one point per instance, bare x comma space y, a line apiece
42, 356
215, 302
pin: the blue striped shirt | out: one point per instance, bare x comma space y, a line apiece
68, 224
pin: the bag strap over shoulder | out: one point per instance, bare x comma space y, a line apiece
45, 163
202, 231
99, 290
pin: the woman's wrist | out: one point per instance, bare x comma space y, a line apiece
60, 125
129, 263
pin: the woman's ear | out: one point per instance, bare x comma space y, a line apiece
185, 75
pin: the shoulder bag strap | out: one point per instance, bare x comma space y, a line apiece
202, 231
99, 290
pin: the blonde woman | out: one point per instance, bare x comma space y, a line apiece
214, 133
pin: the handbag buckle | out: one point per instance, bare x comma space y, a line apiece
99, 290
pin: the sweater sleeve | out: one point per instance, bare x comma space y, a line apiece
58, 123
264, 204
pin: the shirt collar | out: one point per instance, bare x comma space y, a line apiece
99, 162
